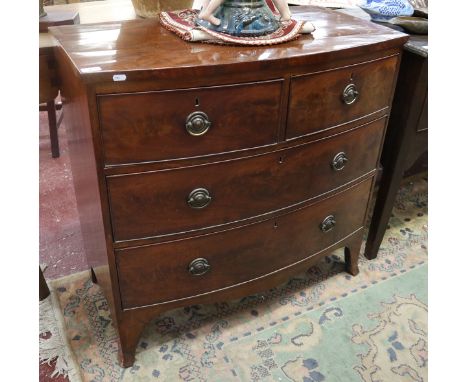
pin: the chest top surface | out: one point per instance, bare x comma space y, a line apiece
144, 45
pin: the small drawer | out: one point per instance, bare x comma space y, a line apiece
162, 125
185, 268
186, 199
319, 101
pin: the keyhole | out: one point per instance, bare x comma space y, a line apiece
197, 102
275, 225
351, 77
280, 160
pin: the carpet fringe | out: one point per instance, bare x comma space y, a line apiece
56, 346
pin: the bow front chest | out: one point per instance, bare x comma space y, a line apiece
205, 172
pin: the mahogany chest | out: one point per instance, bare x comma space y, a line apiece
205, 172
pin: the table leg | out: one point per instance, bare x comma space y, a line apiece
54, 144
386, 195
43, 288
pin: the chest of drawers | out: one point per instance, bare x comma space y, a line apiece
205, 173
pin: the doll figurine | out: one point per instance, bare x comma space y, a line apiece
283, 9
209, 7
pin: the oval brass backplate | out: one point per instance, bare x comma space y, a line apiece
339, 161
197, 123
350, 94
199, 267
199, 198
328, 223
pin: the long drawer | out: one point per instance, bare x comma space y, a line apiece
325, 99
173, 201
184, 268
162, 125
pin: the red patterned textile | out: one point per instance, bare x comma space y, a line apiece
182, 23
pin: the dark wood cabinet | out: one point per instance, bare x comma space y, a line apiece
206, 172
405, 150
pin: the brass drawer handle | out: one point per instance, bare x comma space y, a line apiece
328, 223
197, 123
199, 198
350, 94
339, 161
199, 267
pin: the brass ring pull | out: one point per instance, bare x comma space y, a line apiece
199, 267
199, 198
328, 223
350, 94
197, 123
339, 161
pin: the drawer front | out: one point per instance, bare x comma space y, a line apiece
163, 125
323, 100
181, 269
164, 202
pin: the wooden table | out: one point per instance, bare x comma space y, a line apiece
49, 81
91, 12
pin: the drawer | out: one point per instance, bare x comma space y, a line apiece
158, 203
322, 100
172, 271
171, 124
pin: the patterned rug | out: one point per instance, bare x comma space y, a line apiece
323, 325
60, 2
